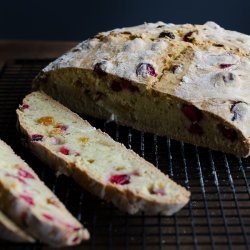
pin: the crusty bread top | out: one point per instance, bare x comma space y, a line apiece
205, 65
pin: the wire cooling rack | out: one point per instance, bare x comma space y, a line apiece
217, 217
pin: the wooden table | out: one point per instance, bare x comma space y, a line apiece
12, 49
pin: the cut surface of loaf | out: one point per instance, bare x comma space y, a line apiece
187, 82
12, 232
26, 201
104, 167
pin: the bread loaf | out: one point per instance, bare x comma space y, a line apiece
104, 167
187, 82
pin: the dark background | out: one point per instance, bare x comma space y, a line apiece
77, 20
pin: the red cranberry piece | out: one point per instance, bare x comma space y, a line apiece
225, 65
77, 154
25, 174
144, 69
74, 228
160, 192
176, 68
187, 37
192, 113
167, 34
75, 240
228, 133
36, 137
121, 179
27, 199
116, 86
64, 150
62, 127
48, 217
98, 69
21, 180
24, 106
195, 129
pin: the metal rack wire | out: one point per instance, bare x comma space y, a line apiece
217, 216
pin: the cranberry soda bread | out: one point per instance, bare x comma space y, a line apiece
104, 167
26, 201
187, 82
10, 231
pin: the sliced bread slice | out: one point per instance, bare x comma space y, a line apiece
31, 205
104, 167
12, 232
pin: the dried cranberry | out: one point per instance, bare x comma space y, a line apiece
195, 129
228, 133
27, 199
36, 137
25, 174
177, 68
64, 150
98, 69
24, 106
225, 65
48, 217
121, 179
62, 127
76, 239
187, 37
77, 154
21, 180
192, 113
116, 86
73, 227
144, 69
167, 34
160, 192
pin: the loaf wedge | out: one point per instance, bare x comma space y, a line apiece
26, 201
10, 231
187, 82
104, 167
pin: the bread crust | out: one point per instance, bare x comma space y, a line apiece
127, 200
